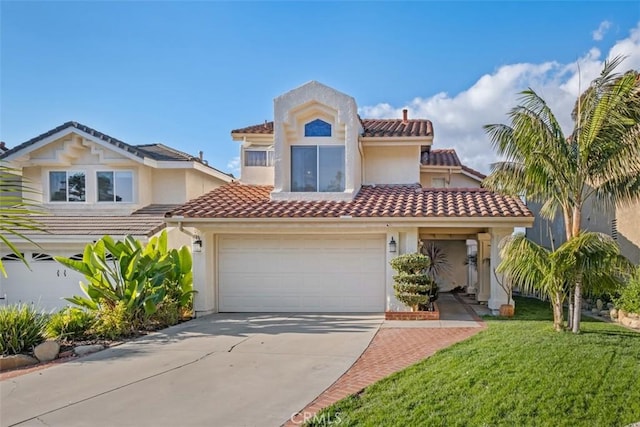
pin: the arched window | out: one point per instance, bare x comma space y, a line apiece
317, 127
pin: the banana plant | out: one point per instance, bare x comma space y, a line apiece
141, 276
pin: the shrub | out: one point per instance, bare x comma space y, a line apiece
629, 299
169, 313
113, 322
70, 323
140, 277
21, 328
412, 285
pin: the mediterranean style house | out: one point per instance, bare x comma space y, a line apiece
326, 199
88, 184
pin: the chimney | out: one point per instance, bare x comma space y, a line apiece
405, 116
265, 124
201, 155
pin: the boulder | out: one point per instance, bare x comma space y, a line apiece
81, 350
604, 313
599, 304
16, 361
47, 351
595, 311
613, 313
610, 305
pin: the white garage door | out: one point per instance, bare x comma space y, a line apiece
45, 284
301, 273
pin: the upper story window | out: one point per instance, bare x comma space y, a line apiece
317, 127
115, 186
258, 157
67, 186
317, 168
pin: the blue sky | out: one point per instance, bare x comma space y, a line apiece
186, 73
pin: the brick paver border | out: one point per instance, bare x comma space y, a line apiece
390, 350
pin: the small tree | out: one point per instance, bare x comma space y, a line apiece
412, 285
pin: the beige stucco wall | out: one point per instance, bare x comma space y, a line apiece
197, 183
391, 165
257, 175
454, 180
456, 251
629, 231
169, 186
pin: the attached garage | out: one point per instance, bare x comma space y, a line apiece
301, 273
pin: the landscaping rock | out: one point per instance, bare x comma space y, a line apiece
613, 313
81, 350
609, 305
604, 313
16, 361
595, 310
599, 304
47, 351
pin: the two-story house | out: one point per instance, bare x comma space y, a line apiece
88, 184
326, 199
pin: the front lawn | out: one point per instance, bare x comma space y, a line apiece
517, 372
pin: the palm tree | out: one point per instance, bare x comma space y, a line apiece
592, 259
598, 161
15, 211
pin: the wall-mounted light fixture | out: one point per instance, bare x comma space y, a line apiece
196, 244
392, 245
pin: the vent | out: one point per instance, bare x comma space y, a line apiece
76, 257
12, 257
614, 229
42, 257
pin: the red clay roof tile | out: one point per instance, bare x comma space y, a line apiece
372, 128
253, 201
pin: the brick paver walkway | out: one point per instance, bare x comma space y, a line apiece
391, 350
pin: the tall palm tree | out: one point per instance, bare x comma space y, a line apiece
16, 211
598, 161
592, 259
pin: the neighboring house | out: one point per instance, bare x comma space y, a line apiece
90, 184
621, 222
327, 199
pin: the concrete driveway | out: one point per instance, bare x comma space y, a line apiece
219, 370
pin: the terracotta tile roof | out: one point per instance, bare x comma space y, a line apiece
372, 128
63, 225
251, 201
440, 157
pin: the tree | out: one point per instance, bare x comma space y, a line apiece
16, 211
598, 161
592, 259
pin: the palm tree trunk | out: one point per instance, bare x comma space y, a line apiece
558, 320
570, 310
577, 309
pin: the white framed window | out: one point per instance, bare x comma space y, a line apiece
114, 186
438, 183
67, 186
258, 157
317, 168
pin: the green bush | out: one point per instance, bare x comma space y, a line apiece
412, 285
140, 277
169, 313
113, 322
70, 323
629, 299
21, 328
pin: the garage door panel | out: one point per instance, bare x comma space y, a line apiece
301, 273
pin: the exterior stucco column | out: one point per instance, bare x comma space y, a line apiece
484, 286
203, 277
406, 243
498, 295
472, 272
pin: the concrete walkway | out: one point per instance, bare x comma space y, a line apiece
220, 370
397, 345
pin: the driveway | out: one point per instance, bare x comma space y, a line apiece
219, 370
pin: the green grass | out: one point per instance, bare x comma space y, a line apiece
518, 372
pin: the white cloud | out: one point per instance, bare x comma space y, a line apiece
602, 29
458, 119
233, 166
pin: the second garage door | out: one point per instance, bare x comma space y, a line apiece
301, 273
